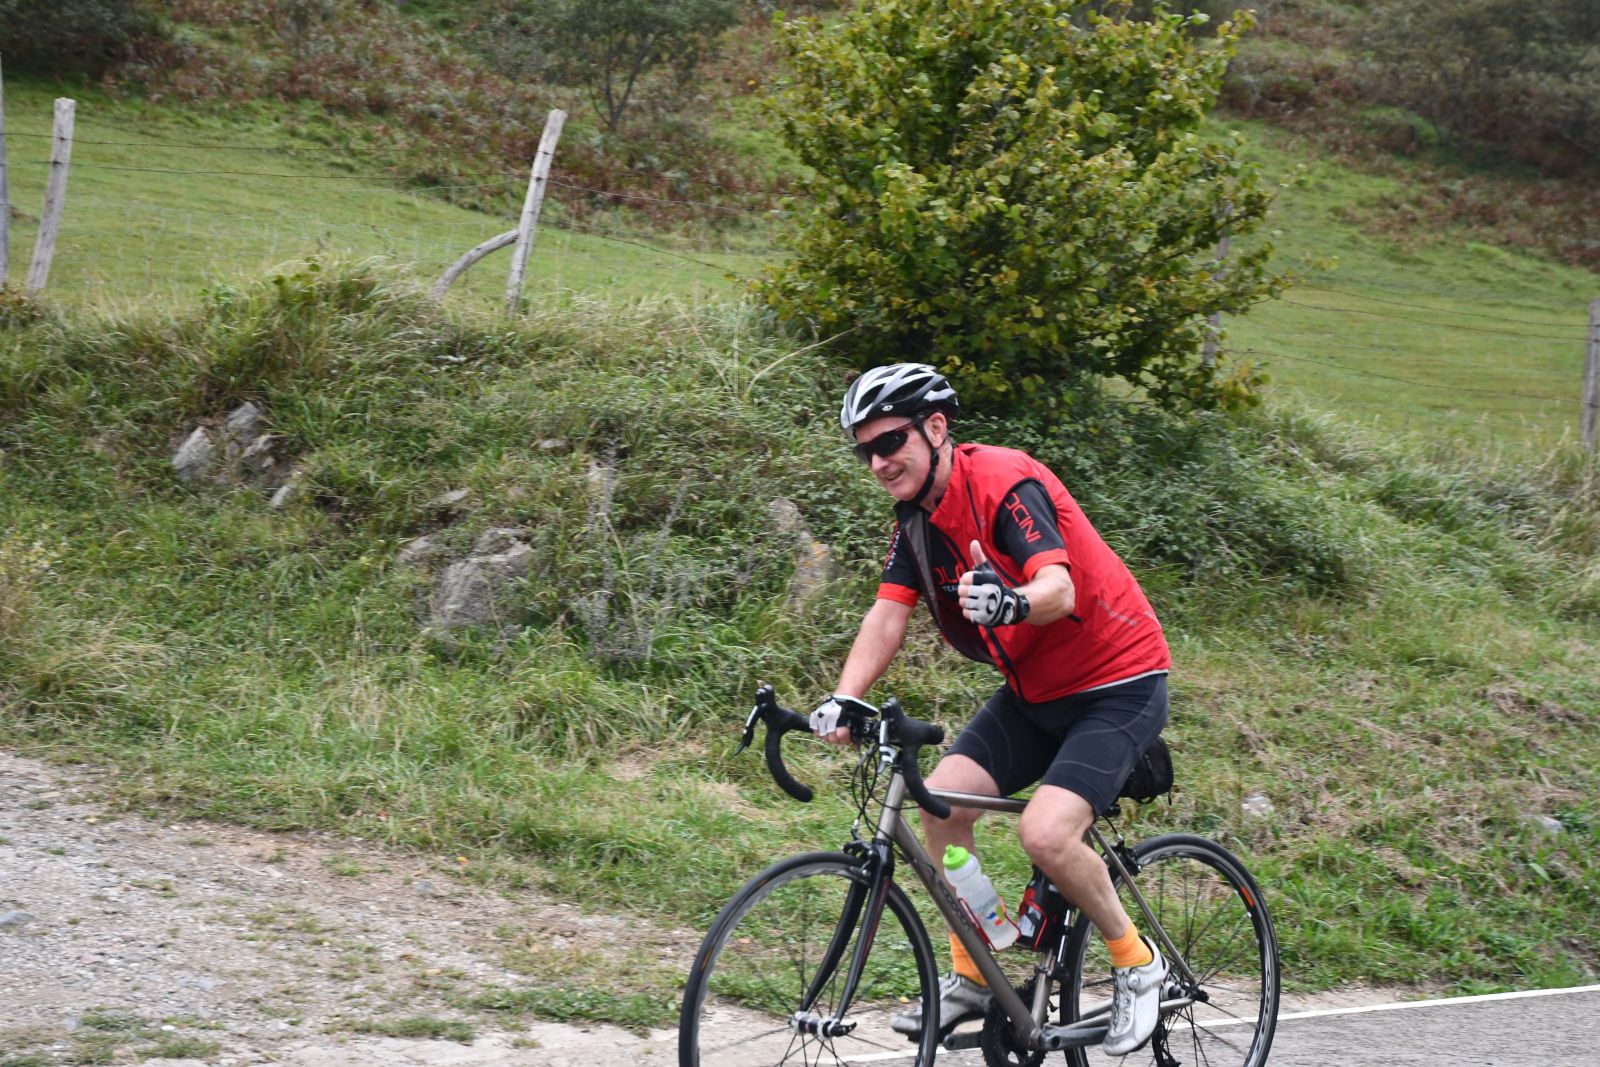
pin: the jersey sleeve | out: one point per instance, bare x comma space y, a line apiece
1027, 529
899, 582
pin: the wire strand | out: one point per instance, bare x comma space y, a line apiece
1407, 381
661, 200
1439, 310
1437, 325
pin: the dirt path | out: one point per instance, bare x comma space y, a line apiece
125, 939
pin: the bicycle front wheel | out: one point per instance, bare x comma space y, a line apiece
782, 947
1214, 913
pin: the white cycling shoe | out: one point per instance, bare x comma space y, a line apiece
1135, 1004
960, 999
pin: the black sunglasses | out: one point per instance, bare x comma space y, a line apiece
887, 444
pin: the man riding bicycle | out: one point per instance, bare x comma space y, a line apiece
1015, 576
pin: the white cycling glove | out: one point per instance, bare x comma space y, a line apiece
989, 603
825, 720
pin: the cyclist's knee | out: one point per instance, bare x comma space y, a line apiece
1054, 823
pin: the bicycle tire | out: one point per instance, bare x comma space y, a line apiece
762, 953
1216, 916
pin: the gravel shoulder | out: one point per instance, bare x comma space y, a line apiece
125, 939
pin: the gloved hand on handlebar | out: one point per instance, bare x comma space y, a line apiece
831, 721
987, 601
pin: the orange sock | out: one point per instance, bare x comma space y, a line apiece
961, 962
1129, 950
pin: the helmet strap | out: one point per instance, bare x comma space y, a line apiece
933, 464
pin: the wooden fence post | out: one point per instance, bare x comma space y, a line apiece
5, 192
1591, 378
1209, 356
530, 208
55, 195
459, 267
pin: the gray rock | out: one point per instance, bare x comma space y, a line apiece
1258, 805
450, 499
814, 570
498, 539
416, 552
257, 461
553, 444
286, 493
814, 566
196, 457
11, 920
1545, 823
243, 424
469, 588
786, 519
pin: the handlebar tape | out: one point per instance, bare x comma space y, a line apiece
779, 722
912, 735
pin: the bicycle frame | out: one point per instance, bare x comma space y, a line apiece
1029, 1021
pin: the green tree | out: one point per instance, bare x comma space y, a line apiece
1512, 72
610, 46
1019, 191
72, 36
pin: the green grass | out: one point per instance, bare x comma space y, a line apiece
145, 223
1395, 643
417, 1026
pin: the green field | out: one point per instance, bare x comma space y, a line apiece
157, 210
1408, 331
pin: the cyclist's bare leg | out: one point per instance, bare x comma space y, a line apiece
959, 774
1052, 830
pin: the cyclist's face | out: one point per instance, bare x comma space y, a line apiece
903, 470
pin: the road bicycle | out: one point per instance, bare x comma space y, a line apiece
811, 958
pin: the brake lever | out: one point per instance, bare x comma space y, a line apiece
749, 730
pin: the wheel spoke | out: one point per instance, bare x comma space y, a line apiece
782, 938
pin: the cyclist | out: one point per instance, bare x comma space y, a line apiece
1015, 576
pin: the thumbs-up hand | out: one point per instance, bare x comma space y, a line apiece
984, 599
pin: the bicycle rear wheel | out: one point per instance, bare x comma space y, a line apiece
788, 937
1214, 913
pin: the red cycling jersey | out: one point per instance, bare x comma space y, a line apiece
1024, 519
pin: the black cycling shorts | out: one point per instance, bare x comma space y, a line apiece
1086, 742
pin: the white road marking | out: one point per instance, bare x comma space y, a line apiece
1322, 1013
1398, 1004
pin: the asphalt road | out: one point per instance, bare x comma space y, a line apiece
1547, 1029
1551, 1030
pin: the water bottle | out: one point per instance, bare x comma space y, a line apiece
979, 895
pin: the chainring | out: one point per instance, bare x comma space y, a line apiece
999, 1041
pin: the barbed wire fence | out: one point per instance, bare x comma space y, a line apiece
211, 234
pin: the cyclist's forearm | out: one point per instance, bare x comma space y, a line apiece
879, 639
1051, 595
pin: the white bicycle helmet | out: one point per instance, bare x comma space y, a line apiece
899, 389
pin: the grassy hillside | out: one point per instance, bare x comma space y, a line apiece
1396, 648
1397, 325
1381, 591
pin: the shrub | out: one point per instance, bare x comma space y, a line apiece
1018, 192
72, 36
1516, 73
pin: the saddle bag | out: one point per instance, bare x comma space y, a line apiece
1151, 776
